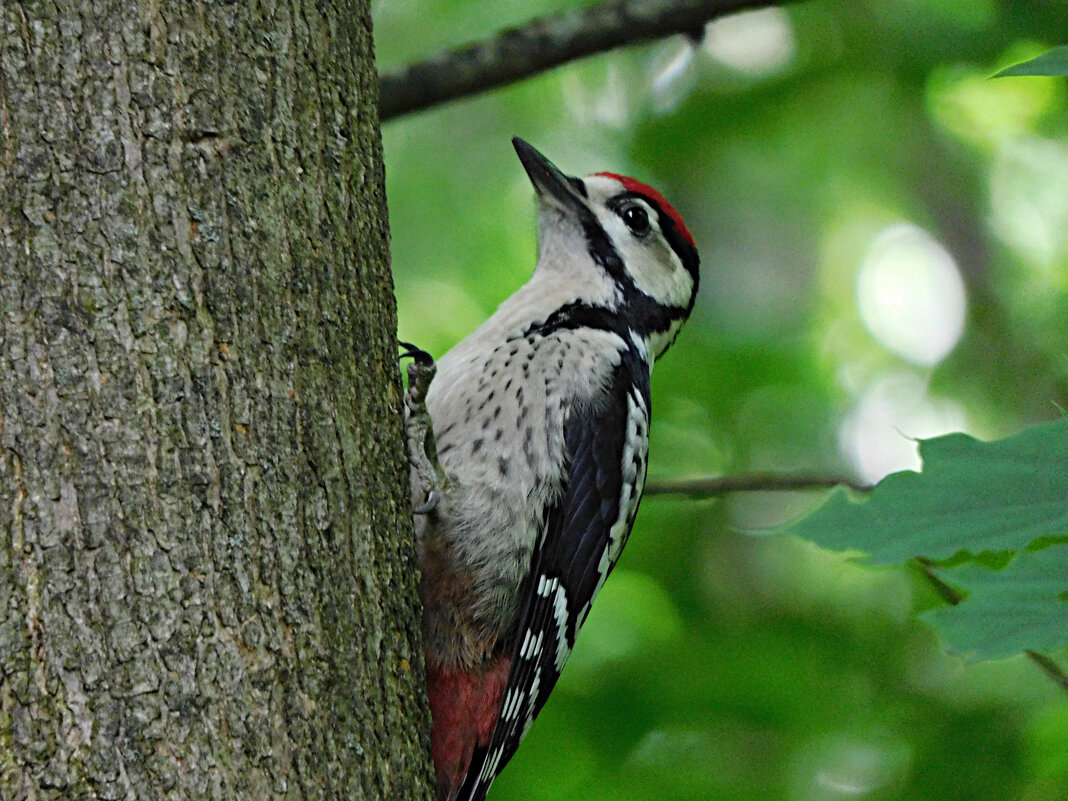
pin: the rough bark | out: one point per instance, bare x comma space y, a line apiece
206, 572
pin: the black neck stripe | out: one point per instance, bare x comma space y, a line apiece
647, 315
652, 319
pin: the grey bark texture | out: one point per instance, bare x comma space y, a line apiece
207, 580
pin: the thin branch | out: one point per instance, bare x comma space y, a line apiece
1050, 668
754, 482
541, 44
953, 597
714, 486
946, 592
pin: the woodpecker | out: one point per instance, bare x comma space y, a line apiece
529, 442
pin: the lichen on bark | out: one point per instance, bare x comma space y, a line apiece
206, 572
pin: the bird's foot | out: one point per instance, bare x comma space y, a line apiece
427, 476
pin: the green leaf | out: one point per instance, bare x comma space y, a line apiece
1052, 62
1020, 607
972, 496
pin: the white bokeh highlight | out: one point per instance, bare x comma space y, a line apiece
606, 101
752, 42
911, 295
1030, 204
673, 74
879, 435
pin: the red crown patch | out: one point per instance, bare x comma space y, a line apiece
636, 186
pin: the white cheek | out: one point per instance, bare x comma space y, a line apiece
653, 266
561, 247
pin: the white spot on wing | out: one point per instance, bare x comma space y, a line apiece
535, 686
551, 587
489, 769
528, 643
511, 705
563, 651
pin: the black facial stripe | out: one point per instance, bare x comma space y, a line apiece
604, 254
686, 253
642, 312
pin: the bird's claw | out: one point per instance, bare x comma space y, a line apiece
420, 373
427, 475
432, 498
417, 354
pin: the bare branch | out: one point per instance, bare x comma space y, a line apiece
714, 486
1049, 667
541, 44
946, 592
953, 597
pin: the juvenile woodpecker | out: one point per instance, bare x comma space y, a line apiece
541, 423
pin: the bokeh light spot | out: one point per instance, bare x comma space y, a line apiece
911, 294
753, 42
850, 764
964, 101
879, 435
673, 74
1030, 206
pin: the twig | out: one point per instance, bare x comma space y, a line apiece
714, 486
520, 52
1049, 667
953, 597
946, 592
754, 482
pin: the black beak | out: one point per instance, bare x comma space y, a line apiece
550, 184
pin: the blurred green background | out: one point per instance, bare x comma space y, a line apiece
884, 242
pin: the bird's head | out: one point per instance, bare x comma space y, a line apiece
618, 240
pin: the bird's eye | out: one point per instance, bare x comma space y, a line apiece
636, 219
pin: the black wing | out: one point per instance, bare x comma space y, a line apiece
583, 536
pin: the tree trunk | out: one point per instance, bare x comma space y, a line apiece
206, 569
